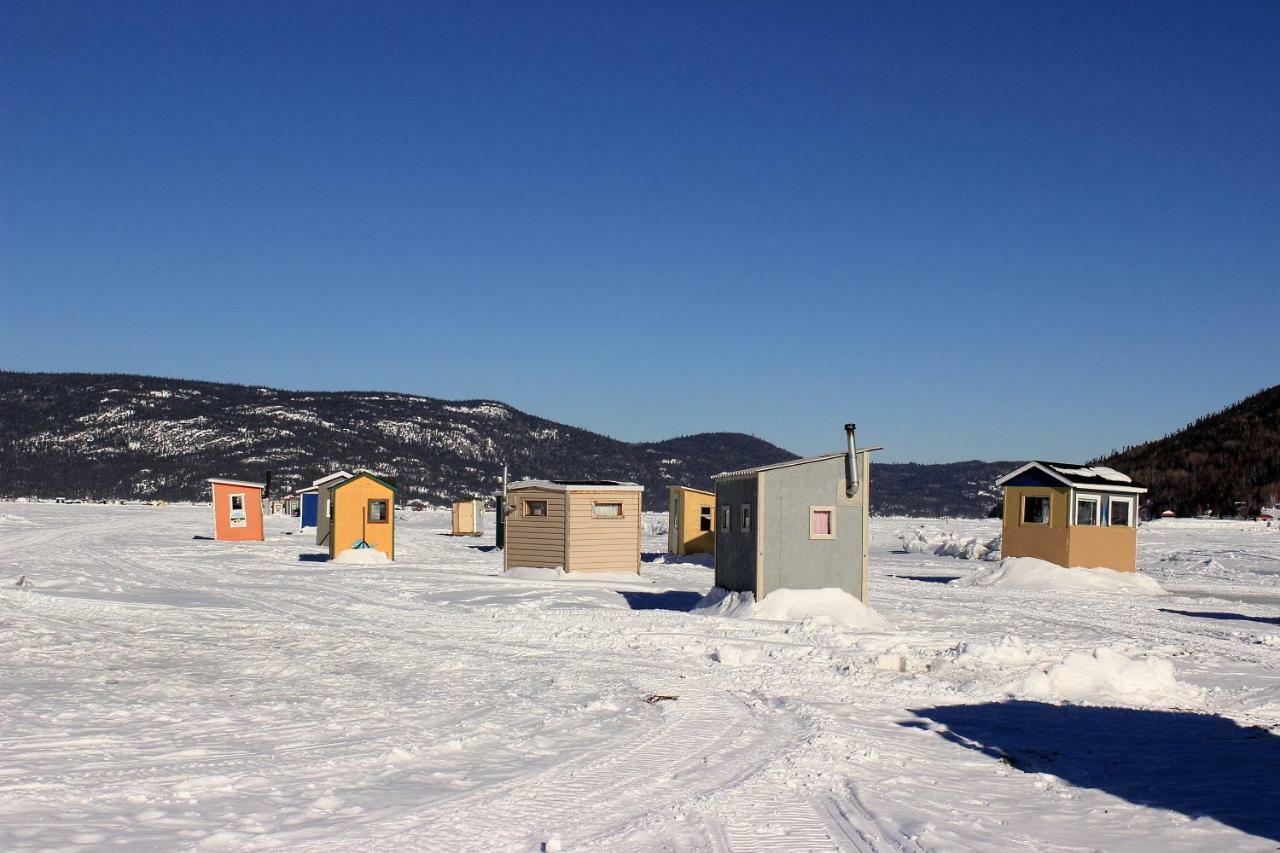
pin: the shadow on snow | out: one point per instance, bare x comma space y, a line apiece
928, 578
1200, 765
679, 600
1213, 614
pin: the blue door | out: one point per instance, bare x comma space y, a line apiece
309, 503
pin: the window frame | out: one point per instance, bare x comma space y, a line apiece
726, 517
1048, 516
386, 513
1096, 500
831, 522
707, 519
525, 503
621, 510
744, 517
1129, 502
231, 502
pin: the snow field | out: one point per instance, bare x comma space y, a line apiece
167, 692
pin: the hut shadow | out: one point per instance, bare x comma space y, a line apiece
483, 548
681, 601
1213, 614
203, 538
313, 558
928, 578
1200, 765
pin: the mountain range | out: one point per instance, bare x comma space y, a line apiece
113, 436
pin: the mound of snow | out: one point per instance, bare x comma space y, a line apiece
1030, 573
793, 605
918, 542
533, 573
968, 548
9, 518
1109, 677
362, 557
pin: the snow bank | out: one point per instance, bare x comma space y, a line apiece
968, 548
1030, 573
947, 544
1108, 677
793, 605
362, 557
533, 573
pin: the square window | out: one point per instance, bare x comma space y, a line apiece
1087, 511
606, 510
746, 518
822, 522
535, 509
1035, 509
1121, 513
378, 511
237, 502
704, 520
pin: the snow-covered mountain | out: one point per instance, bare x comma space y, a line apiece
93, 436
120, 436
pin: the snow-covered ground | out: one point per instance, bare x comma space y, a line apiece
165, 691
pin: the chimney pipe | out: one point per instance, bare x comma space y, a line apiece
851, 462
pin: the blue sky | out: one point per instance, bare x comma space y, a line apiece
979, 230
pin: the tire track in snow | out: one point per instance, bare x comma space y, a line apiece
585, 799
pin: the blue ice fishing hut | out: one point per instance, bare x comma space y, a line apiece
310, 504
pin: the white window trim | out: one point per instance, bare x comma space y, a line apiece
231, 502
1022, 511
831, 510
744, 517
1132, 511
618, 504
726, 513
1096, 500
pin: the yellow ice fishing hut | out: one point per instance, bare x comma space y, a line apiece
363, 511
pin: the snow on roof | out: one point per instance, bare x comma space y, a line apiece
577, 485
1095, 476
328, 478
244, 483
746, 472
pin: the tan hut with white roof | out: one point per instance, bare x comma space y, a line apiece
1071, 515
576, 525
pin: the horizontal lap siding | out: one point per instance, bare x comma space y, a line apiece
536, 542
604, 544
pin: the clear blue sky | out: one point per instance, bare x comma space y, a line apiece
1000, 230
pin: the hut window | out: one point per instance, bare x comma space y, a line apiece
1087, 511
746, 518
535, 509
725, 513
704, 519
606, 510
1121, 512
237, 502
377, 511
1035, 509
822, 522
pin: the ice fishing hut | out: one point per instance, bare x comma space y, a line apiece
795, 525
324, 506
308, 499
363, 507
468, 517
237, 510
690, 520
291, 505
577, 525
1071, 515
